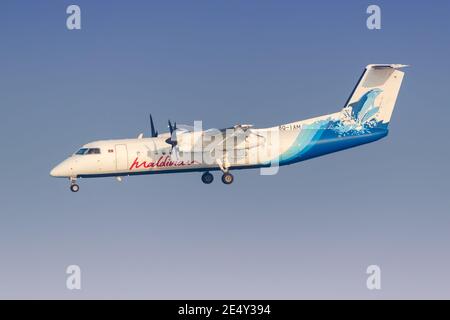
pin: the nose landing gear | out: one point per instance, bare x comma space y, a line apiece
73, 186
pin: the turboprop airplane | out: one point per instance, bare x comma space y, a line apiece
364, 118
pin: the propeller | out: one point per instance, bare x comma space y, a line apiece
172, 140
154, 133
173, 127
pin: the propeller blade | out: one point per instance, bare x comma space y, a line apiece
152, 125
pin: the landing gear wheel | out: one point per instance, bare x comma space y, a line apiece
227, 178
74, 187
207, 178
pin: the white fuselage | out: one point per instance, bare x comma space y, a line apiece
154, 155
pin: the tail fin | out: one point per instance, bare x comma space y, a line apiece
375, 94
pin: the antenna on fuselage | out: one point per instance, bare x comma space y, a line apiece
154, 133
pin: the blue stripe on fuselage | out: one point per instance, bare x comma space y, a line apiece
327, 143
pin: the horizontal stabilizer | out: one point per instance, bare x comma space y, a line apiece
382, 66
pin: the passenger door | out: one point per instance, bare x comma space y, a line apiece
121, 157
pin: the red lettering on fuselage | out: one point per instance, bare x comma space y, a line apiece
162, 162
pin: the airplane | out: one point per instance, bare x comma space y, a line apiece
364, 119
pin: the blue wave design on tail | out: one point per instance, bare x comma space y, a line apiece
365, 108
361, 118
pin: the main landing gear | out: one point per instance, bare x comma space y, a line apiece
207, 178
227, 178
73, 186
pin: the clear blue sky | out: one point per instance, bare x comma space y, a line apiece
308, 232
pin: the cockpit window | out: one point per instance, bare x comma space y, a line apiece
93, 151
84, 151
81, 151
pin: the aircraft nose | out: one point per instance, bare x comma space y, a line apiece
61, 170
56, 171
